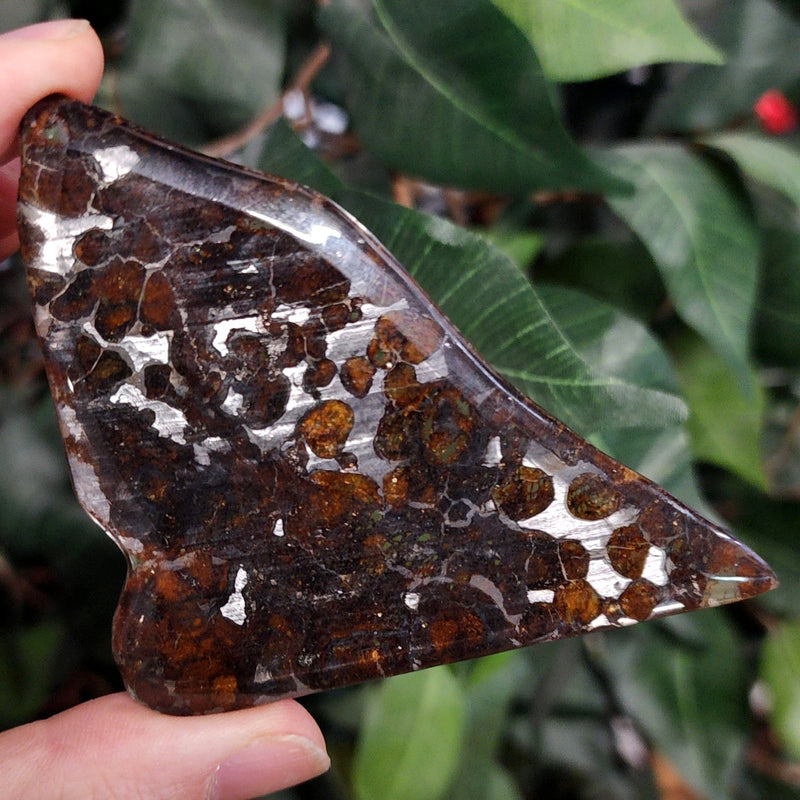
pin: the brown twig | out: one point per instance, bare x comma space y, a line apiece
403, 191
308, 71
671, 784
456, 201
765, 760
21, 590
549, 198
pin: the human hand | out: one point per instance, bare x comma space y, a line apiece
114, 748
61, 56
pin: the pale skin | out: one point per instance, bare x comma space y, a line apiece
113, 748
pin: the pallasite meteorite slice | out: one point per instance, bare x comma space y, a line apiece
314, 479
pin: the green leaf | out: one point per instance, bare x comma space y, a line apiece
688, 695
493, 682
579, 40
613, 343
501, 786
500, 312
792, 6
759, 41
27, 659
621, 273
486, 296
195, 70
452, 92
755, 785
411, 737
769, 162
778, 317
38, 471
702, 238
520, 246
39, 511
780, 666
624, 348
17, 15
580, 753
575, 738
725, 417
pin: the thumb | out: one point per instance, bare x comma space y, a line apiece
115, 749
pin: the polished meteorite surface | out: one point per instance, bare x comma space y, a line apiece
314, 479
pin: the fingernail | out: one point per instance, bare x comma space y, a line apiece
57, 29
266, 766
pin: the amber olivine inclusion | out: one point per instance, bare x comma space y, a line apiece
314, 479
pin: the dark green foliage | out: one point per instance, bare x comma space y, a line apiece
628, 286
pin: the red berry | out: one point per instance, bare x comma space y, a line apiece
775, 113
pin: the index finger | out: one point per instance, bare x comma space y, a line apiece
60, 56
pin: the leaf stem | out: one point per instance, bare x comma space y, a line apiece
310, 68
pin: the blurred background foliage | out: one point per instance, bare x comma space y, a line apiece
604, 198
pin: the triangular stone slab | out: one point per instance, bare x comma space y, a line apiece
314, 478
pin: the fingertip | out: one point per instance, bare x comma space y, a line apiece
55, 29
62, 56
289, 715
92, 47
267, 765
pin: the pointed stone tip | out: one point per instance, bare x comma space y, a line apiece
734, 572
705, 564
